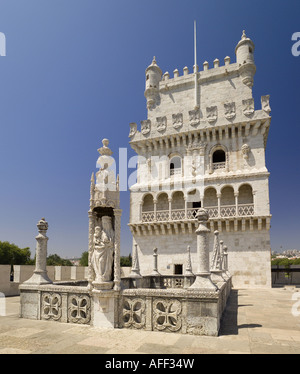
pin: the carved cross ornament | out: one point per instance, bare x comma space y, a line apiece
167, 314
51, 306
79, 309
134, 313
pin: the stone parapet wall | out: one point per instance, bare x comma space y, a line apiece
21, 273
174, 310
181, 310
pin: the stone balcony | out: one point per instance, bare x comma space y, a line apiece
227, 211
226, 218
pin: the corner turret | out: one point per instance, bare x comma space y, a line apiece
153, 77
245, 58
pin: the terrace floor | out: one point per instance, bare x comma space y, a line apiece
256, 321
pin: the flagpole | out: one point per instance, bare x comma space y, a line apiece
195, 67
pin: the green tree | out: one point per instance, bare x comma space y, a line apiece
84, 259
282, 262
56, 260
10, 254
126, 260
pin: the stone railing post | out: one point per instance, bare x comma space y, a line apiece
225, 261
135, 269
155, 271
40, 273
216, 270
117, 266
203, 280
188, 269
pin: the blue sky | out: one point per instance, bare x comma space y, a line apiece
74, 73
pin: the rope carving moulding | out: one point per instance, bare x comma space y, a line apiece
133, 313
79, 309
51, 306
167, 314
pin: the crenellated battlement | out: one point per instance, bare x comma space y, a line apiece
158, 85
187, 74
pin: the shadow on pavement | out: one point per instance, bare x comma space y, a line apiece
229, 321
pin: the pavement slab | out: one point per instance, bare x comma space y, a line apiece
255, 321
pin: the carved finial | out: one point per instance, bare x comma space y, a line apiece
105, 149
42, 225
244, 35
154, 61
202, 215
92, 178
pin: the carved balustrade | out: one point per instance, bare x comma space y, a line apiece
226, 211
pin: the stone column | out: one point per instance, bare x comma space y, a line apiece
155, 208
117, 269
203, 280
141, 212
170, 208
236, 196
185, 208
219, 204
92, 217
40, 273
254, 202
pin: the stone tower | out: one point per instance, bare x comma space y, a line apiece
203, 145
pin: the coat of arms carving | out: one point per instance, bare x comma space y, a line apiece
177, 120
211, 113
229, 110
145, 126
248, 107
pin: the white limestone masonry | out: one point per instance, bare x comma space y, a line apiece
203, 147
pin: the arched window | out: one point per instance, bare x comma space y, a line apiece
175, 165
219, 159
245, 194
210, 197
178, 200
148, 204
